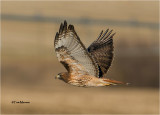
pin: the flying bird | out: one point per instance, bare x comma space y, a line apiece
85, 66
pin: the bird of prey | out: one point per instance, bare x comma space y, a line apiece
85, 66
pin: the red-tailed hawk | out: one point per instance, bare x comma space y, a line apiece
85, 67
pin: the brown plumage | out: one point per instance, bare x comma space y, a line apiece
85, 67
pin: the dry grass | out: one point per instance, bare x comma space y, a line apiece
63, 98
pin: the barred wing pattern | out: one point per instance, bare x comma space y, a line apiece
72, 53
102, 51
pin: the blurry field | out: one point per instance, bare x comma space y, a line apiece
62, 98
29, 63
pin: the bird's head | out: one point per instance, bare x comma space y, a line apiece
61, 76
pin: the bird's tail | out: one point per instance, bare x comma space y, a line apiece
113, 82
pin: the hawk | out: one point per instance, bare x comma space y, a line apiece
85, 66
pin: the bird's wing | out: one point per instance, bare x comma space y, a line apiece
72, 53
102, 51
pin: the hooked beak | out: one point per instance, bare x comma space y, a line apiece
57, 76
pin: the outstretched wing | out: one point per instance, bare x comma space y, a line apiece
72, 53
102, 51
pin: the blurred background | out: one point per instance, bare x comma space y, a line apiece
29, 63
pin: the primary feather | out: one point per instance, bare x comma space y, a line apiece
102, 51
72, 53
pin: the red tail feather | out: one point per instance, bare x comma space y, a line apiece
114, 81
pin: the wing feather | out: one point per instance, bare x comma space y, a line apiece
102, 51
72, 53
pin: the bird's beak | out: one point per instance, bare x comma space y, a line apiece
57, 76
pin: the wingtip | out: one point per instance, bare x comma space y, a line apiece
109, 35
61, 28
65, 21
102, 37
65, 25
57, 35
113, 35
111, 31
71, 27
